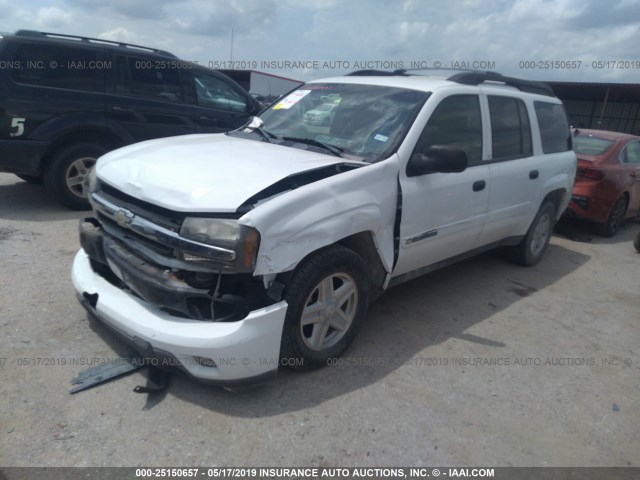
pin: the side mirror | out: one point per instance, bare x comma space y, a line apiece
438, 159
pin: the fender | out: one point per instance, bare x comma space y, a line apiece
562, 174
299, 222
67, 123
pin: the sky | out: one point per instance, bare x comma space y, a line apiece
569, 40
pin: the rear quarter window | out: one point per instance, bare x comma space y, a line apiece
554, 127
55, 66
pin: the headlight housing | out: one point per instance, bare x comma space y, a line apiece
236, 245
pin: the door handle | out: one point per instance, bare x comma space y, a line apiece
533, 174
479, 185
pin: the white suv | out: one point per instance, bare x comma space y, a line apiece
227, 255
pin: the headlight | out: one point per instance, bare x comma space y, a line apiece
224, 234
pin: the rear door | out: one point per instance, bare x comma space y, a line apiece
48, 82
515, 174
145, 96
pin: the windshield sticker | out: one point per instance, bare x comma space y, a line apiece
381, 138
291, 100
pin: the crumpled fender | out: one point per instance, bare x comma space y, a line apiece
299, 222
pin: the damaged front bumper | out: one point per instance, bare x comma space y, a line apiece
218, 352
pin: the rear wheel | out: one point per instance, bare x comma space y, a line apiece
328, 296
66, 175
533, 246
615, 219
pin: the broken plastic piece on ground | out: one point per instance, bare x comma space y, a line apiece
157, 381
108, 371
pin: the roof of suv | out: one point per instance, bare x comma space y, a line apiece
401, 78
64, 39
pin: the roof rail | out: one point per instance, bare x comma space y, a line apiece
374, 73
61, 36
476, 78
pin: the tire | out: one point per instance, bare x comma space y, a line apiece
66, 174
326, 332
636, 243
34, 179
534, 245
615, 219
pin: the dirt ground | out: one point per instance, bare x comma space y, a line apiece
483, 363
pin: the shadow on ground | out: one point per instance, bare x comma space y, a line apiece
406, 321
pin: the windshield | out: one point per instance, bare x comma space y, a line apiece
364, 121
587, 145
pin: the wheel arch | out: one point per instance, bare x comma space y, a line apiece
559, 198
81, 135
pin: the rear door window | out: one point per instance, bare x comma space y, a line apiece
510, 129
155, 79
59, 67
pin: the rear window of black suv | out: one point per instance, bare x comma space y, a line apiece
58, 67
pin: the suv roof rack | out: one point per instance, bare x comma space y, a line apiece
62, 36
476, 78
375, 73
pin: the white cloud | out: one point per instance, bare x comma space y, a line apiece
503, 31
52, 18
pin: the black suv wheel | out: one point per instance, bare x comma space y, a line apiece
66, 175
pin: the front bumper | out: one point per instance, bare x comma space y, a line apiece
243, 350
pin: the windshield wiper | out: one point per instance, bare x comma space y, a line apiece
268, 136
337, 151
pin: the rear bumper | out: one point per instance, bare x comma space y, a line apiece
243, 351
22, 156
591, 201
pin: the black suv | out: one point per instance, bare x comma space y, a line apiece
66, 100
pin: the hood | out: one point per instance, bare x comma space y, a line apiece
203, 173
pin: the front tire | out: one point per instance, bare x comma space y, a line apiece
534, 245
66, 175
328, 297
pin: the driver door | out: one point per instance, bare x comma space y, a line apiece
443, 213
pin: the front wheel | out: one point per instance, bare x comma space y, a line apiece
328, 296
533, 246
66, 175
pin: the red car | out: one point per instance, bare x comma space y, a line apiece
607, 188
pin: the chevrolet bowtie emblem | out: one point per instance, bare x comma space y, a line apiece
123, 217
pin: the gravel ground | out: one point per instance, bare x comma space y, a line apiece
483, 363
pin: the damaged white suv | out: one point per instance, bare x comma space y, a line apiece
228, 255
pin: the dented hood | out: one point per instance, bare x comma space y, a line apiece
203, 173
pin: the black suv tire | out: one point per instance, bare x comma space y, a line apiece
66, 175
